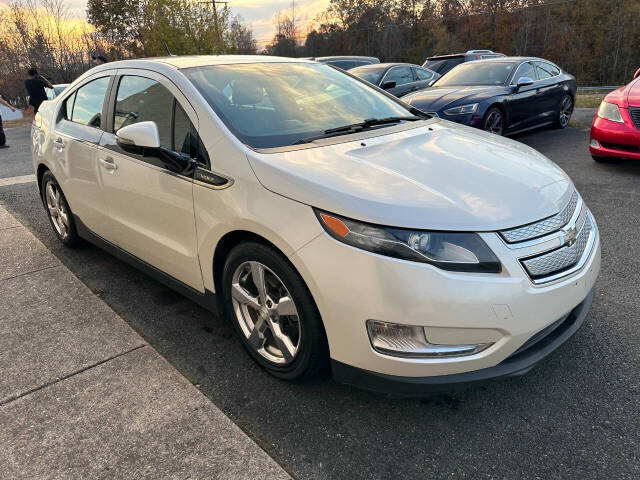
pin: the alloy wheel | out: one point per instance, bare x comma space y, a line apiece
265, 312
57, 209
493, 122
566, 110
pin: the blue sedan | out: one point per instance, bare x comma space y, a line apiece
501, 95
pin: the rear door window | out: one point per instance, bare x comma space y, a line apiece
546, 70
89, 100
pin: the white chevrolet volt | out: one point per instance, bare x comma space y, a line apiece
327, 220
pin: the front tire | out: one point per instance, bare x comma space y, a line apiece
273, 312
565, 112
493, 121
58, 210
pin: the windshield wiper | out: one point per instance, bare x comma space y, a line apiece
358, 127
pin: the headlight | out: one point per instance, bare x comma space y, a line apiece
610, 111
462, 109
460, 252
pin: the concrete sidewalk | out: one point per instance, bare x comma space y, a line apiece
82, 395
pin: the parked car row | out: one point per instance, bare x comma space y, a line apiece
505, 95
480, 88
329, 221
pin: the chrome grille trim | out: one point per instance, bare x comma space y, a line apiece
565, 260
546, 226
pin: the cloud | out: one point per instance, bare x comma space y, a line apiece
260, 14
257, 13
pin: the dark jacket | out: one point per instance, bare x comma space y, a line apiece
35, 88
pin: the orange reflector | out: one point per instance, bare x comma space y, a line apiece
335, 225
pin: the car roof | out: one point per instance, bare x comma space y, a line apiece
345, 57
376, 66
187, 61
508, 59
465, 54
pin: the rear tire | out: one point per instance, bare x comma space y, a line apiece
58, 211
565, 112
278, 322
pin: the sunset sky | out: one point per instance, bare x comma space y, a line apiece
258, 13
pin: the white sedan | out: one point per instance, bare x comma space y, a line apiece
329, 221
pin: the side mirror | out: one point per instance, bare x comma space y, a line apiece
637, 74
143, 139
524, 82
388, 85
432, 82
141, 135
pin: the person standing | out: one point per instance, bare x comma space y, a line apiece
3, 138
35, 87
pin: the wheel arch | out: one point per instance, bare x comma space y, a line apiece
235, 237
40, 173
500, 105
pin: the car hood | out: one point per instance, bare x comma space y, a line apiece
437, 98
439, 176
626, 96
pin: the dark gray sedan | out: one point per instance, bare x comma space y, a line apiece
397, 78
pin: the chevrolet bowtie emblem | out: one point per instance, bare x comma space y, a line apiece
569, 235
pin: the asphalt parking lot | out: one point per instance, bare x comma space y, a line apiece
575, 416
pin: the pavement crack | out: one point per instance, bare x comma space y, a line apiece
30, 272
13, 398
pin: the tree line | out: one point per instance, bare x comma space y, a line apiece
43, 34
596, 40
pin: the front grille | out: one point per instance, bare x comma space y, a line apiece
634, 112
562, 259
620, 146
543, 227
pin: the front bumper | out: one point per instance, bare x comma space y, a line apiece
521, 362
615, 139
351, 286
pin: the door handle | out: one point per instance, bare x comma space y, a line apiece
108, 164
59, 144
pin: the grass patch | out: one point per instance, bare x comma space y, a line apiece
590, 100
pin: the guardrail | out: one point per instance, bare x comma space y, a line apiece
598, 89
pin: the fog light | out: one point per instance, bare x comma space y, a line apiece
410, 341
594, 143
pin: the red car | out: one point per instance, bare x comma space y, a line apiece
615, 132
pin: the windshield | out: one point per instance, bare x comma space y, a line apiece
278, 104
469, 74
369, 74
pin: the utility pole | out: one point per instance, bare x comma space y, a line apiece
214, 4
